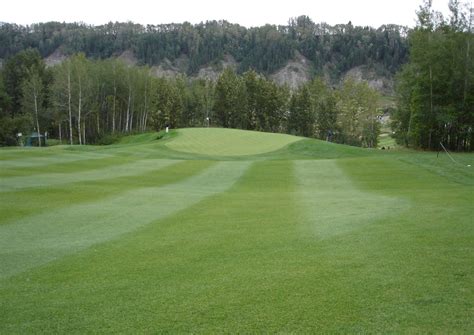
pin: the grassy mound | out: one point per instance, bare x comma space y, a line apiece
228, 142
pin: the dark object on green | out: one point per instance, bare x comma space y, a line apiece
32, 140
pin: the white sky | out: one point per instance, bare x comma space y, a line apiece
245, 12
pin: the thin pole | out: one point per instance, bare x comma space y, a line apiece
448, 153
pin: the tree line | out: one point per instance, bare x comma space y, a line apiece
435, 89
332, 49
89, 98
84, 101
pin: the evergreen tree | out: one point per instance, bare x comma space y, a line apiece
323, 102
230, 105
301, 119
17, 70
166, 105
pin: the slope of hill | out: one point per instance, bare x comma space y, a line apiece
295, 73
290, 53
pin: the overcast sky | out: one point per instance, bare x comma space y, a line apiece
245, 12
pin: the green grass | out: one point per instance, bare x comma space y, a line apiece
235, 232
228, 142
386, 141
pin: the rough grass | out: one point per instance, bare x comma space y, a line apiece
308, 238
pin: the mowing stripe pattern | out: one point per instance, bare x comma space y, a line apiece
221, 231
37, 239
53, 179
331, 204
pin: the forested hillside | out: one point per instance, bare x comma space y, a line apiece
90, 96
331, 49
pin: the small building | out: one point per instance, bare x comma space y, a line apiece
32, 140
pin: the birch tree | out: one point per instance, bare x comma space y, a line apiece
81, 81
62, 95
357, 114
32, 101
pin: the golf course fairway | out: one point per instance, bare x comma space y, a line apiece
226, 231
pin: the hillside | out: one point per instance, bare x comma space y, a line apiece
296, 72
290, 54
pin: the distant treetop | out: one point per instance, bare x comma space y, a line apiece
265, 49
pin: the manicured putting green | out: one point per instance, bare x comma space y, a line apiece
228, 142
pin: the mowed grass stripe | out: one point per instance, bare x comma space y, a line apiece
51, 179
13, 153
33, 201
38, 239
213, 266
417, 263
239, 261
56, 156
331, 204
228, 142
65, 167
